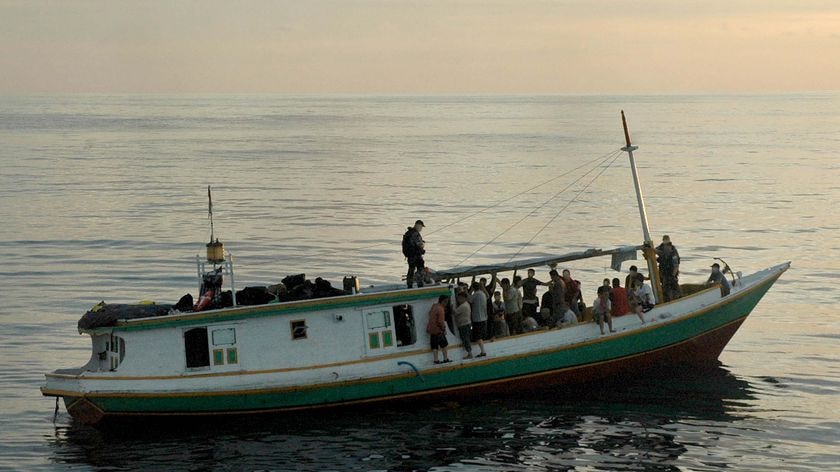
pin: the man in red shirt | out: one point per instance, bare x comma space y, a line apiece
573, 295
437, 329
620, 304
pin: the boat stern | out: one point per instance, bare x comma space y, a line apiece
66, 385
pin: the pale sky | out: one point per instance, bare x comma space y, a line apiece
419, 47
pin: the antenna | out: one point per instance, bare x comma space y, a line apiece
215, 249
210, 206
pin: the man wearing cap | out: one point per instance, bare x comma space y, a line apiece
413, 250
717, 277
669, 268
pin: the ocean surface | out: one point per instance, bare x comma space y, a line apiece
104, 198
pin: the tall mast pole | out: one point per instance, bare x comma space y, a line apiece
647, 249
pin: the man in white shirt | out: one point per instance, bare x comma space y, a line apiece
643, 295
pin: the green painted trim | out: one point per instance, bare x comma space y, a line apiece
476, 373
276, 309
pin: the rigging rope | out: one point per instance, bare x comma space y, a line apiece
600, 159
604, 169
612, 156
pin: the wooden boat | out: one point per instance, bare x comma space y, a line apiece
370, 345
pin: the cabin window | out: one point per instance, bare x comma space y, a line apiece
379, 319
380, 332
299, 329
195, 348
223, 351
404, 325
224, 336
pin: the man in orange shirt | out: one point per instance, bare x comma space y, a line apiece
437, 329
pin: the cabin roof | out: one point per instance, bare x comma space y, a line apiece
363, 299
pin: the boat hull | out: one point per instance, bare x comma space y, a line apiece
697, 338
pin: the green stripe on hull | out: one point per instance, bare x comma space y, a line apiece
611, 348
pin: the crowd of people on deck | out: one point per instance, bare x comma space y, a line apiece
481, 313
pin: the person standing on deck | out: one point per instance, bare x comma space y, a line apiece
517, 282
574, 299
513, 306
463, 321
669, 268
559, 307
437, 329
529, 294
413, 249
501, 327
478, 302
488, 291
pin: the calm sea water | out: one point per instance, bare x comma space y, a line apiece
104, 197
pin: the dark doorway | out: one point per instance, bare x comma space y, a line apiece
404, 325
195, 347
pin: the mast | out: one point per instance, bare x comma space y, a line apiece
647, 247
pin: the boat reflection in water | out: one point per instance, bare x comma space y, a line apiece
665, 421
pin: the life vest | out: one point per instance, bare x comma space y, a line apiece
205, 300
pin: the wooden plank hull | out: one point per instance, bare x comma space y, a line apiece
698, 337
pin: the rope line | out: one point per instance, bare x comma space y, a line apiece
603, 159
599, 159
604, 169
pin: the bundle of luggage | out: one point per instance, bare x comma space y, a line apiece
298, 287
107, 314
291, 288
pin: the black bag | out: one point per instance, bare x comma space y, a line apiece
184, 304
292, 281
253, 296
